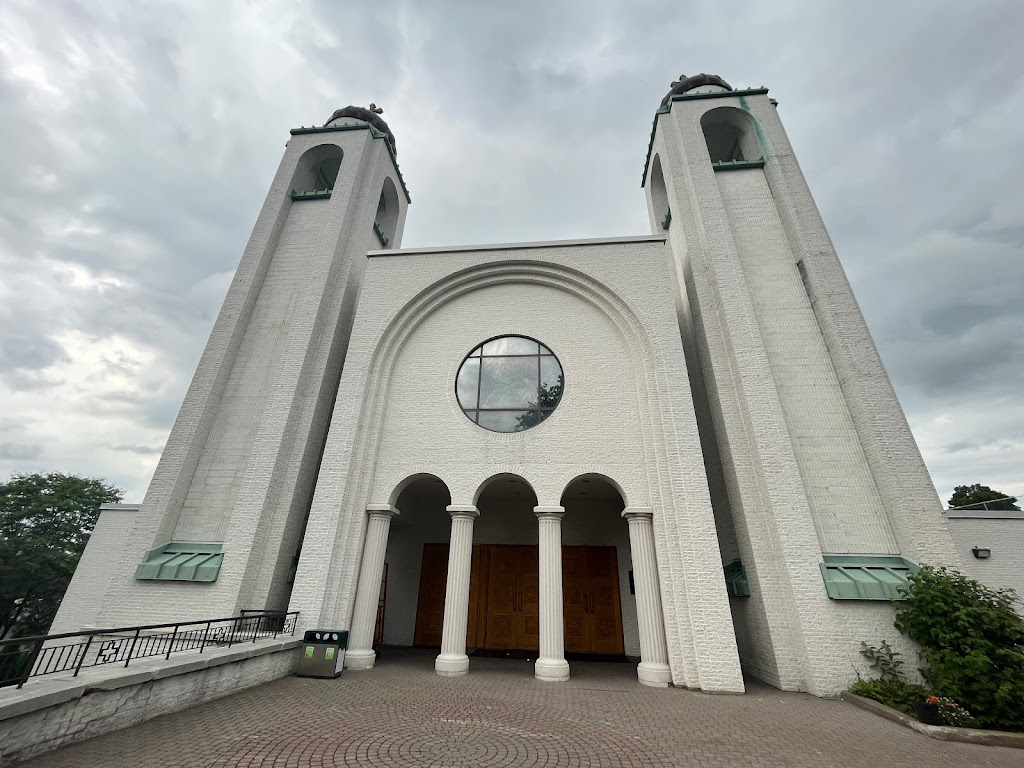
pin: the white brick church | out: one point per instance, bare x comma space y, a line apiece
679, 448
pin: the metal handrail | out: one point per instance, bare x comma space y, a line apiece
1011, 499
37, 655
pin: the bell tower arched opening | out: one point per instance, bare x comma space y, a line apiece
317, 170
415, 563
731, 136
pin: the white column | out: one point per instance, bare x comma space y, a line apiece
653, 668
360, 653
551, 665
453, 661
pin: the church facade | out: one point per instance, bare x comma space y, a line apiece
679, 447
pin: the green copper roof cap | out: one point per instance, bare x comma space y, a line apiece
684, 84
178, 561
371, 115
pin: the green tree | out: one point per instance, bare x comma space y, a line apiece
979, 496
548, 396
45, 522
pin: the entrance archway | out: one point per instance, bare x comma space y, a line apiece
506, 567
418, 540
598, 612
598, 601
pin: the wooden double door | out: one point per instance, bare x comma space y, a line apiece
504, 604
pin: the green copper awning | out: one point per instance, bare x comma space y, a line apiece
736, 579
182, 562
866, 577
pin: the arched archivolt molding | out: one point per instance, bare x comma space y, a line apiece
499, 476
457, 284
650, 380
601, 478
403, 484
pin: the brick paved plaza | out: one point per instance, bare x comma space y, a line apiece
402, 714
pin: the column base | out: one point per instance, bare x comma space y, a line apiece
359, 658
551, 670
654, 675
452, 664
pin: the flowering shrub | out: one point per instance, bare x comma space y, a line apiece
951, 712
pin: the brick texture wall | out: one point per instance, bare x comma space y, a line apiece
606, 310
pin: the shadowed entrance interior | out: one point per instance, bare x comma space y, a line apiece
503, 598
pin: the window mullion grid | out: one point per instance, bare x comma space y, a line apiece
479, 383
538, 385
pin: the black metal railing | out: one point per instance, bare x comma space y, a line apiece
23, 658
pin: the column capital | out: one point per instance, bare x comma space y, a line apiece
638, 513
462, 510
381, 510
553, 512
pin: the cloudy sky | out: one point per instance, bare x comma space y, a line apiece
139, 139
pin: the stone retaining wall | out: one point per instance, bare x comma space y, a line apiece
54, 712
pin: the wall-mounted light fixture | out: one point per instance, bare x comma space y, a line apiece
981, 553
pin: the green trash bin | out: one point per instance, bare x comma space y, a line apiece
322, 653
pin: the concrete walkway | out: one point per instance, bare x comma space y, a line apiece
402, 714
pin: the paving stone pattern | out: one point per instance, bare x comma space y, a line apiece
402, 714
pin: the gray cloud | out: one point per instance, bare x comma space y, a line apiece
144, 450
29, 352
143, 140
20, 451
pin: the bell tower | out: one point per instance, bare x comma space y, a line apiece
808, 452
227, 505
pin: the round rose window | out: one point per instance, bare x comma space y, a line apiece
509, 384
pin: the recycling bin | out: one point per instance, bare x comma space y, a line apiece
322, 653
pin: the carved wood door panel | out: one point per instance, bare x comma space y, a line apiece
433, 586
605, 617
590, 593
574, 599
529, 599
430, 605
503, 623
504, 600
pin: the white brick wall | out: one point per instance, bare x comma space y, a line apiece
240, 463
815, 452
844, 501
85, 593
606, 310
1000, 532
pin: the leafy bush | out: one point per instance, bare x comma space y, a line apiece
884, 660
972, 643
897, 694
